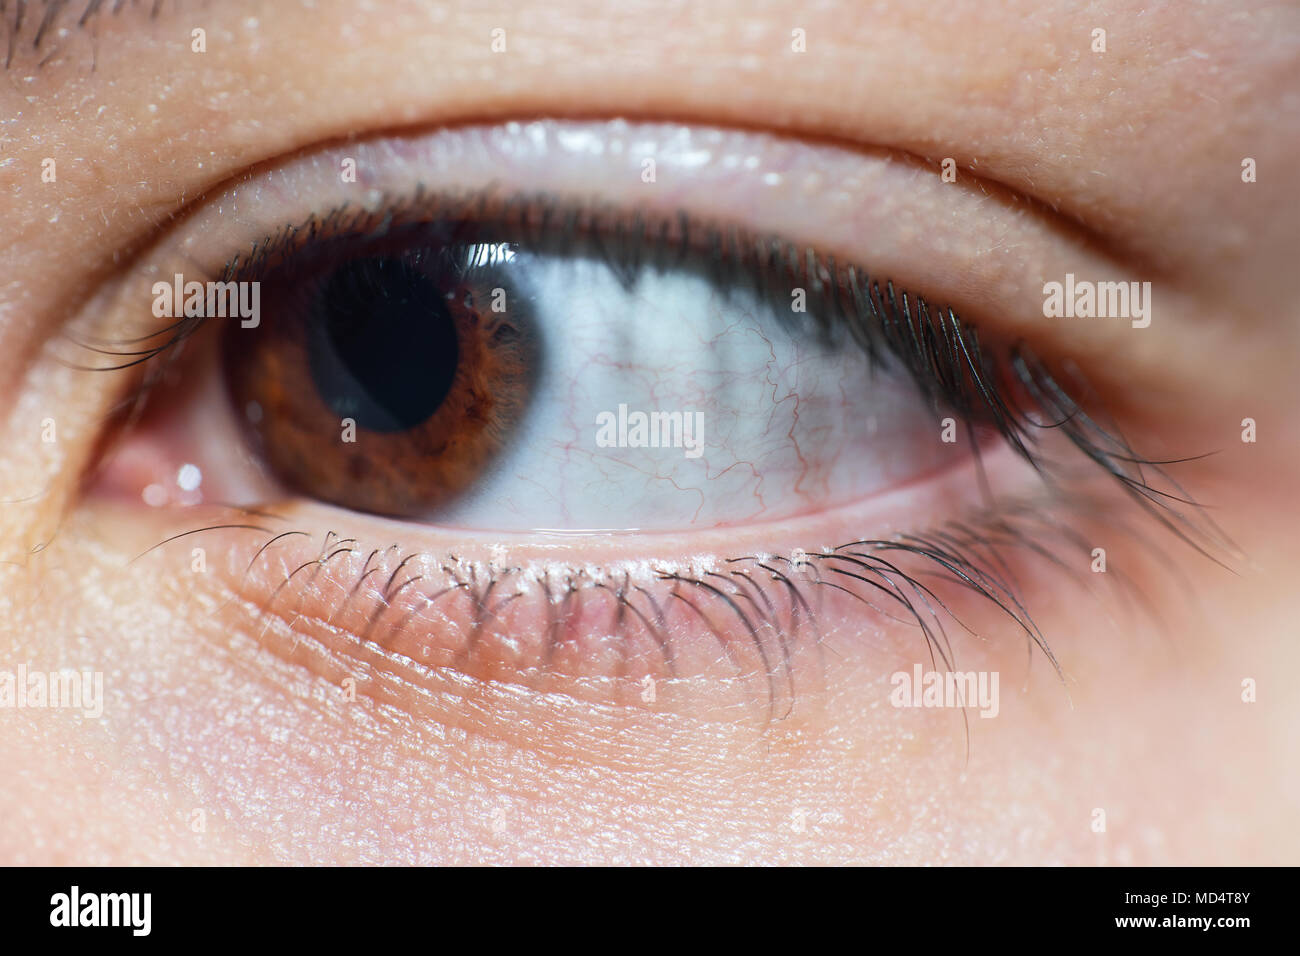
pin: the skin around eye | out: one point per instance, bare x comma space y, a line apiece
750, 609
557, 594
749, 605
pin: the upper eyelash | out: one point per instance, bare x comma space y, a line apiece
1010, 390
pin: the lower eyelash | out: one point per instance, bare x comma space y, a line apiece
762, 610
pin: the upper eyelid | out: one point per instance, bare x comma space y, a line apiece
1037, 148
194, 240
891, 193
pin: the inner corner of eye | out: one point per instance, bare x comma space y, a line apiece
488, 372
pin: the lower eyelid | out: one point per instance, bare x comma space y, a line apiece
404, 621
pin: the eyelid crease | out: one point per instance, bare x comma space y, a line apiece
1005, 191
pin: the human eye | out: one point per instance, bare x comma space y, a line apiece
523, 420
614, 411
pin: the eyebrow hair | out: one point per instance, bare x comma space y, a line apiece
11, 26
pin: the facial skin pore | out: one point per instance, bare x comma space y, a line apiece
218, 745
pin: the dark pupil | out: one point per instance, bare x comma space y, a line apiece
382, 344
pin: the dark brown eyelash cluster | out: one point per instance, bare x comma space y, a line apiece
1009, 391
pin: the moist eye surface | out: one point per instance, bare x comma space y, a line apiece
569, 369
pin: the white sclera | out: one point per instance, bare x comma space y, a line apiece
790, 425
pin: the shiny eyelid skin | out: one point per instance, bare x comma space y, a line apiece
948, 239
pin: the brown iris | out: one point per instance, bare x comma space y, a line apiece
385, 379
